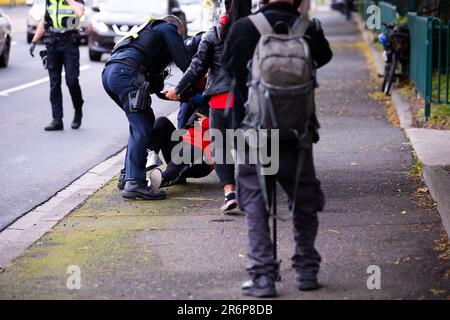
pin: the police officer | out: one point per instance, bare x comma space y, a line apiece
262, 267
61, 21
134, 71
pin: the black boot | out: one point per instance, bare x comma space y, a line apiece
121, 182
308, 285
262, 286
76, 123
138, 189
55, 125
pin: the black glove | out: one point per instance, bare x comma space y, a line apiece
32, 48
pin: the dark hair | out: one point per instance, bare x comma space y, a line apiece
235, 10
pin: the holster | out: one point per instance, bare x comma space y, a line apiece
139, 99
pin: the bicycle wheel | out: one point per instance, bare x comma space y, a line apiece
391, 74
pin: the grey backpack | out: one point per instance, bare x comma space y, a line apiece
282, 81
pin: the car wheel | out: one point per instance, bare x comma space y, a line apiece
4, 58
29, 37
95, 55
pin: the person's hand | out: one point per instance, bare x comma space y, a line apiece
201, 117
172, 94
32, 48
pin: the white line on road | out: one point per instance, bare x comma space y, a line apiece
6, 92
14, 43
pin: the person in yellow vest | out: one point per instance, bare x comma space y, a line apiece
61, 22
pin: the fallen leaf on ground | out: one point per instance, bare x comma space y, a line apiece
422, 190
437, 292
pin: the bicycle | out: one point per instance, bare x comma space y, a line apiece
396, 50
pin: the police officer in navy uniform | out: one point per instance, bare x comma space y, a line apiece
134, 71
61, 22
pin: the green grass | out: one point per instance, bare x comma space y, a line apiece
440, 115
416, 169
440, 112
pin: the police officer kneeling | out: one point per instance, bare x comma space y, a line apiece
134, 71
61, 21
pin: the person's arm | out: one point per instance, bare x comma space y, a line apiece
176, 47
201, 62
77, 7
40, 31
320, 48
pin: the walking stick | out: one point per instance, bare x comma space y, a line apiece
274, 230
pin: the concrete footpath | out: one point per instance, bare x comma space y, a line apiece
185, 248
432, 147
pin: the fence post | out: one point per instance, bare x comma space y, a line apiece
429, 71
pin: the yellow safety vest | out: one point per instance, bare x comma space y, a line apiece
63, 18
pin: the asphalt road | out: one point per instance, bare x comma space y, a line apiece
36, 164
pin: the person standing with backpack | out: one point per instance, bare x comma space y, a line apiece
280, 96
208, 60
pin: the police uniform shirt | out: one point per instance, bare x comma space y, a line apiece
59, 17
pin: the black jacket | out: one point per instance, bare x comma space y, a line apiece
243, 38
156, 47
208, 57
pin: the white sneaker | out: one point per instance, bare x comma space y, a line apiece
154, 178
230, 202
153, 159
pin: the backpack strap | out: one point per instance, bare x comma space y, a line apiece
261, 23
300, 26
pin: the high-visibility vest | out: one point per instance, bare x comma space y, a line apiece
134, 33
63, 18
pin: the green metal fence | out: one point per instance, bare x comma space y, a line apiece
420, 57
430, 59
429, 63
388, 13
440, 50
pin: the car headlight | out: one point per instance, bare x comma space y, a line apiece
100, 26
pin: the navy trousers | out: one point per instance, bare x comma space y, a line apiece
117, 81
65, 53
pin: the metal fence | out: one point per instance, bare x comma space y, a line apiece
429, 63
388, 13
430, 59
420, 56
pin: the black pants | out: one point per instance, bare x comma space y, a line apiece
224, 170
161, 141
65, 53
309, 200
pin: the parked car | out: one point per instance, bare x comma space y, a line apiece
119, 17
37, 10
5, 39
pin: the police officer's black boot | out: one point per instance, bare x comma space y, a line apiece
55, 125
261, 286
121, 182
76, 123
138, 189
